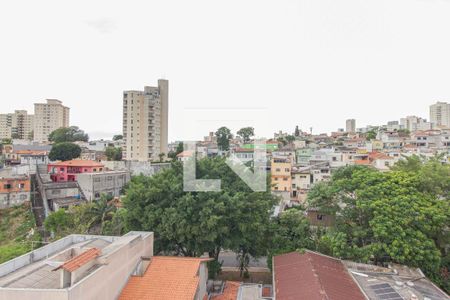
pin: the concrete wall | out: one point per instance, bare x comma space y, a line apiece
136, 167
108, 281
96, 184
13, 199
119, 262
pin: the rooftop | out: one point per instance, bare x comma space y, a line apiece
78, 163
80, 260
394, 283
313, 276
166, 278
37, 270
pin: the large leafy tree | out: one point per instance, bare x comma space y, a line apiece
289, 232
192, 223
224, 136
113, 153
246, 133
68, 134
398, 216
64, 151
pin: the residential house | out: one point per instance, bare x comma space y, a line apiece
14, 191
68, 170
110, 183
169, 278
314, 276
88, 267
281, 174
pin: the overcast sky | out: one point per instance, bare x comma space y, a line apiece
270, 64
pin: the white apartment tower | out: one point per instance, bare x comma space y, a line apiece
17, 125
49, 117
440, 114
145, 122
350, 125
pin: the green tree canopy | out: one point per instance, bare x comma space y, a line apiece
398, 216
113, 153
117, 137
224, 136
68, 134
64, 151
246, 133
192, 223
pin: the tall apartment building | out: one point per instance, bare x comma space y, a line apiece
17, 125
350, 125
145, 122
440, 114
49, 117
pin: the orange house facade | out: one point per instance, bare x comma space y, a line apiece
68, 170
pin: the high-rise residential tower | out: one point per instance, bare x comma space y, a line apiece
350, 125
440, 114
17, 125
49, 117
145, 122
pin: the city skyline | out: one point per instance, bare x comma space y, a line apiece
308, 63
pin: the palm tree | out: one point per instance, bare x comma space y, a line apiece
101, 211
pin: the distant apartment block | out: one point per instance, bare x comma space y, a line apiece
145, 122
49, 117
413, 123
440, 114
350, 125
17, 125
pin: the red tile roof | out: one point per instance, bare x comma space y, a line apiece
78, 163
168, 278
230, 291
186, 153
80, 260
313, 276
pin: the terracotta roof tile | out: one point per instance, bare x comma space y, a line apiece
313, 276
230, 291
168, 278
78, 163
80, 260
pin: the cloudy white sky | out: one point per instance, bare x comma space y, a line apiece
271, 64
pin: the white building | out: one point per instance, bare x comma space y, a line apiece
145, 122
414, 123
77, 267
49, 117
440, 114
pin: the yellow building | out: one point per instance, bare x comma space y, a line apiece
281, 174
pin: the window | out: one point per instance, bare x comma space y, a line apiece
61, 169
7, 186
287, 169
21, 185
320, 217
95, 170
